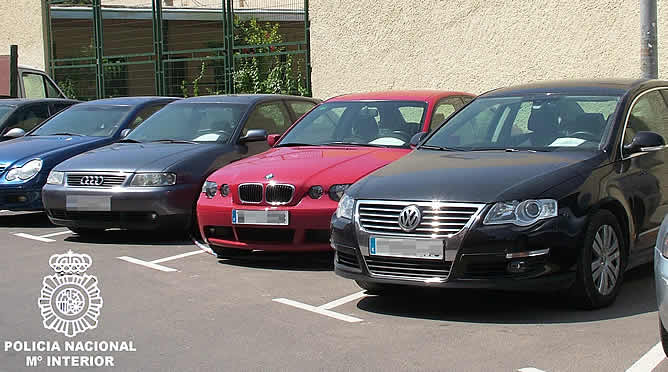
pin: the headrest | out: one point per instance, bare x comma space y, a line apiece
590, 122
543, 119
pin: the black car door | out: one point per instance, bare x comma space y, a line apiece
642, 177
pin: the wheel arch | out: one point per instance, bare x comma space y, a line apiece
623, 216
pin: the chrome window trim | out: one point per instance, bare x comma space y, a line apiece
626, 122
264, 194
251, 183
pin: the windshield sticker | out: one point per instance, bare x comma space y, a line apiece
567, 142
387, 141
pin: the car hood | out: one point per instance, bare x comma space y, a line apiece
308, 166
51, 149
133, 157
477, 176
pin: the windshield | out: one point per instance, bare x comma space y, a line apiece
377, 123
544, 123
85, 120
5, 111
198, 122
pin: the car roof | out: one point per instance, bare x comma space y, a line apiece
600, 87
25, 101
243, 98
129, 101
397, 95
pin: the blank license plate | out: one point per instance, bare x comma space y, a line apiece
88, 203
245, 217
410, 248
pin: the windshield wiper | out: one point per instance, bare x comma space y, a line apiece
64, 134
440, 148
341, 143
509, 149
129, 140
175, 141
293, 144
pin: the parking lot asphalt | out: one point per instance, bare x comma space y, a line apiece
184, 310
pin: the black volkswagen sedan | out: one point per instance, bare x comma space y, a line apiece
551, 186
152, 178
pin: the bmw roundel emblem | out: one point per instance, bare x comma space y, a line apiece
269, 176
410, 218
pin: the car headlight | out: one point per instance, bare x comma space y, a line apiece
209, 188
523, 213
345, 208
56, 178
336, 191
153, 179
25, 172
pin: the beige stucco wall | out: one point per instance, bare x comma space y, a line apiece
473, 45
22, 25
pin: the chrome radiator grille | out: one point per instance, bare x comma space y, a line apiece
279, 193
406, 268
95, 180
275, 194
250, 193
439, 220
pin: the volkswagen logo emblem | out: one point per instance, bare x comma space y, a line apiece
410, 218
92, 180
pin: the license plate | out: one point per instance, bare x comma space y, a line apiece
409, 248
246, 217
88, 203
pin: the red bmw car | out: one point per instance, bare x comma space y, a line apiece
284, 198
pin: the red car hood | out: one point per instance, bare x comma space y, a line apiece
304, 167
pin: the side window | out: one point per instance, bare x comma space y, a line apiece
33, 84
58, 107
650, 113
144, 114
467, 99
29, 117
272, 117
443, 110
300, 107
51, 90
479, 128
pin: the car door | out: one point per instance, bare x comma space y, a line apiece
642, 177
442, 110
270, 116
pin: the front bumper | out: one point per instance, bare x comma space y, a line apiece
486, 257
308, 228
21, 197
135, 208
661, 276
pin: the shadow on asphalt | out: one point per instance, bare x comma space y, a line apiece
481, 306
30, 219
132, 238
284, 261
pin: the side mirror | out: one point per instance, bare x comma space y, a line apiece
417, 138
125, 132
645, 142
254, 135
15, 133
272, 138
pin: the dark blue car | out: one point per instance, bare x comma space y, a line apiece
25, 162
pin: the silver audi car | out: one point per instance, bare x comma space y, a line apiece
661, 275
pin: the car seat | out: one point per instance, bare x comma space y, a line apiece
543, 124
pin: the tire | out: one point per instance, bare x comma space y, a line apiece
378, 288
664, 337
222, 252
86, 232
601, 262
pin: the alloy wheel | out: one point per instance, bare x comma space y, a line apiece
605, 261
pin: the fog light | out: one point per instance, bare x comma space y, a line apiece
22, 199
225, 190
315, 192
517, 267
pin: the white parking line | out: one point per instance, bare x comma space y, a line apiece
150, 265
530, 369
32, 237
317, 310
649, 361
325, 309
341, 301
42, 238
154, 264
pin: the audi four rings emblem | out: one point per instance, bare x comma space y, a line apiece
410, 218
92, 180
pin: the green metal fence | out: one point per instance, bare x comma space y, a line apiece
108, 48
